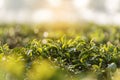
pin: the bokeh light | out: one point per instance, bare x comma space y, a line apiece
106, 11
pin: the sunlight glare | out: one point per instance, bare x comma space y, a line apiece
54, 3
42, 15
112, 5
1, 3
80, 3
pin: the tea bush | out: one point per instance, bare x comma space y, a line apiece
48, 53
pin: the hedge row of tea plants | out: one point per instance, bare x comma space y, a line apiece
74, 57
16, 35
40, 53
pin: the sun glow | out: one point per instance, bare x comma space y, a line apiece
112, 5
1, 3
80, 3
54, 3
42, 15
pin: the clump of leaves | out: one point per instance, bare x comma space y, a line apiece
94, 49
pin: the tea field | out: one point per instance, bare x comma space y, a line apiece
59, 51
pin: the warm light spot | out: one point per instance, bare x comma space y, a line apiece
80, 3
1, 3
112, 5
45, 34
44, 41
54, 3
42, 15
87, 15
4, 58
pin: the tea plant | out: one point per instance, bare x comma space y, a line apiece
37, 53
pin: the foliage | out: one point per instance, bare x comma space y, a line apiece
38, 53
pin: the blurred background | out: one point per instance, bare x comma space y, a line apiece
39, 11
